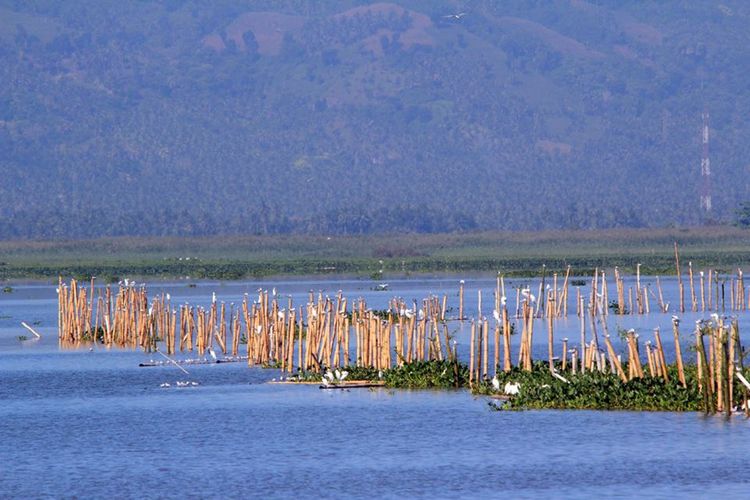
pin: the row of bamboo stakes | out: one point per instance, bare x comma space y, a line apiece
326, 332
125, 317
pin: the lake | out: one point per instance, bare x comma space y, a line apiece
91, 423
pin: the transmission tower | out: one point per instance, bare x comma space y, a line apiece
705, 170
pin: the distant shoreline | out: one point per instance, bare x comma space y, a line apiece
229, 258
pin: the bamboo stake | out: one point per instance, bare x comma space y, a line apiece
680, 286
613, 359
660, 350
678, 350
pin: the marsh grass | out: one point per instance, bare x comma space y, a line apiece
515, 253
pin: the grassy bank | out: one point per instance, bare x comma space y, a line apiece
514, 253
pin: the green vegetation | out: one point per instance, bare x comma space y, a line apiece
190, 118
539, 389
511, 253
600, 391
416, 375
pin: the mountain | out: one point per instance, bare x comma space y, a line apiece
183, 117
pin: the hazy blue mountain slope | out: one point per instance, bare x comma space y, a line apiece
182, 117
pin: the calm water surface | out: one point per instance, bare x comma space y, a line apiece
93, 424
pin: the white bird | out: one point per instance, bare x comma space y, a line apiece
559, 377
511, 388
329, 375
409, 313
380, 374
164, 385
169, 297
527, 295
495, 383
273, 291
343, 375
675, 320
459, 15
326, 382
496, 315
213, 297
503, 300
212, 354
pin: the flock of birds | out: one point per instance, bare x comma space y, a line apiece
180, 383
333, 378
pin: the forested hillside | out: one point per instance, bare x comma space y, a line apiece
184, 117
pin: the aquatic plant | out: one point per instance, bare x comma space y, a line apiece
596, 390
415, 375
427, 374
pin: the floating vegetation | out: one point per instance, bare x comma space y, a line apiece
22, 338
595, 390
7, 289
415, 375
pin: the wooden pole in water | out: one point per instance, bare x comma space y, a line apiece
583, 336
550, 335
613, 359
460, 300
680, 286
662, 306
479, 305
638, 297
693, 300
485, 333
731, 342
704, 367
650, 359
471, 354
574, 359
678, 350
507, 363
497, 348
660, 349
620, 292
